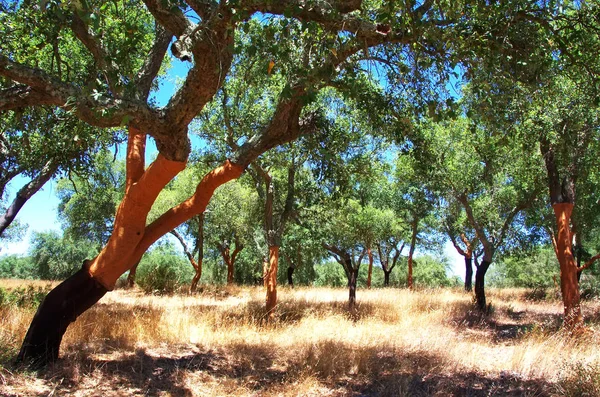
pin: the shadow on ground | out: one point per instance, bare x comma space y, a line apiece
256, 370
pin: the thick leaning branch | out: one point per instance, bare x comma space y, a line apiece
20, 96
136, 153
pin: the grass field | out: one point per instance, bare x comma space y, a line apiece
216, 343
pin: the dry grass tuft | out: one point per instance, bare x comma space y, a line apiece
399, 343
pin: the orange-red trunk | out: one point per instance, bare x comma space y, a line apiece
271, 280
569, 284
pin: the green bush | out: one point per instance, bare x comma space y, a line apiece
29, 296
163, 270
16, 266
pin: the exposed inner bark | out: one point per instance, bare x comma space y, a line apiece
569, 284
271, 280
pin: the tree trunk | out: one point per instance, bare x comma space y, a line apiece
352, 289
413, 243
370, 271
58, 309
480, 285
200, 245
469, 273
272, 280
290, 273
569, 285
409, 277
386, 278
131, 275
131, 237
229, 272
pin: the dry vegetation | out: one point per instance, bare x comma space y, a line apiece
216, 343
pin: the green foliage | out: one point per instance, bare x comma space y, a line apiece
58, 257
28, 297
535, 269
330, 274
87, 205
163, 270
16, 266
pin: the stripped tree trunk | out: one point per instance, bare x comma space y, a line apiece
569, 284
271, 281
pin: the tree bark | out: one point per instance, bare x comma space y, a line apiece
468, 273
200, 245
480, 285
58, 309
352, 280
569, 285
290, 273
386, 278
131, 276
413, 243
271, 281
370, 271
128, 242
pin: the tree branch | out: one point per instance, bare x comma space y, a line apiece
151, 66
99, 53
172, 18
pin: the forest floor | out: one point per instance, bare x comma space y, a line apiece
217, 343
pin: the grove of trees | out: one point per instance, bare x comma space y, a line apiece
330, 138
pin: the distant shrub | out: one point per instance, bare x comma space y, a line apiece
29, 296
16, 266
163, 271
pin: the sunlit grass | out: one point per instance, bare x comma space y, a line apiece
398, 343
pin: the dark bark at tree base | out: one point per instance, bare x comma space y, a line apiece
386, 278
468, 274
480, 285
290, 273
60, 308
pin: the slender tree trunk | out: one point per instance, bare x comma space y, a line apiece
386, 278
229, 272
370, 271
413, 243
25, 194
468, 273
290, 273
131, 275
200, 245
272, 280
352, 280
569, 285
480, 284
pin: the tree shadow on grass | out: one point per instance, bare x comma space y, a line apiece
257, 370
502, 327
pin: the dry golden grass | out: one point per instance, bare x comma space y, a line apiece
216, 343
